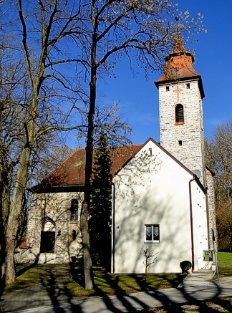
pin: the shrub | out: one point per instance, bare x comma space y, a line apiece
185, 266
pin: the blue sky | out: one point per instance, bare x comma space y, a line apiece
138, 98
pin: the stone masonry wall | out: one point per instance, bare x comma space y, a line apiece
54, 207
211, 208
187, 93
190, 133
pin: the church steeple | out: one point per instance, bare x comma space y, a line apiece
179, 65
180, 108
178, 44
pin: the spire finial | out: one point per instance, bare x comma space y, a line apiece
178, 43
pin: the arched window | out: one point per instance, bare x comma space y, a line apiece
179, 112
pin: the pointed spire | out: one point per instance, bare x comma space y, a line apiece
178, 44
179, 64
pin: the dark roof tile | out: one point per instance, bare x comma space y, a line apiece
72, 171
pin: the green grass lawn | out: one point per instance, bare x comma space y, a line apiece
225, 263
104, 283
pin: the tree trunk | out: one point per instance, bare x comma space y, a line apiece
88, 171
88, 161
9, 259
86, 247
2, 241
14, 214
4, 208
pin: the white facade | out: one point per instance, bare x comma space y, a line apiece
154, 189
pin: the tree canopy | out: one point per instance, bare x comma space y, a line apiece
219, 160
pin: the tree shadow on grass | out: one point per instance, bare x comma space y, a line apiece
20, 271
55, 285
120, 295
115, 297
22, 268
133, 303
77, 271
54, 280
145, 282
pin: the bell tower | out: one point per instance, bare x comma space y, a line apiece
180, 109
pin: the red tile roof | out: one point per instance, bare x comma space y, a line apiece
179, 65
71, 172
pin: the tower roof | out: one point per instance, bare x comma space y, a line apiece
178, 44
179, 65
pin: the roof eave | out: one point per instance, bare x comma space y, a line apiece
48, 189
168, 81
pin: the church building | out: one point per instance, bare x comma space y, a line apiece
163, 210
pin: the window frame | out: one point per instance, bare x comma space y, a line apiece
152, 240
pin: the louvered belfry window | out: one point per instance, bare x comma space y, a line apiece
179, 114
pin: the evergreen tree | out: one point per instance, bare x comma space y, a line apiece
100, 208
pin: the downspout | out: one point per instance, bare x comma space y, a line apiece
113, 229
207, 212
191, 220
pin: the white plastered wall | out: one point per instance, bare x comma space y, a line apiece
151, 189
200, 228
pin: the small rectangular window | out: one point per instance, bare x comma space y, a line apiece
74, 210
152, 233
188, 85
150, 151
167, 88
180, 142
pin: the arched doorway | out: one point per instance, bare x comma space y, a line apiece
47, 243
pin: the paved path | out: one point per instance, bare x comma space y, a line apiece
197, 286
